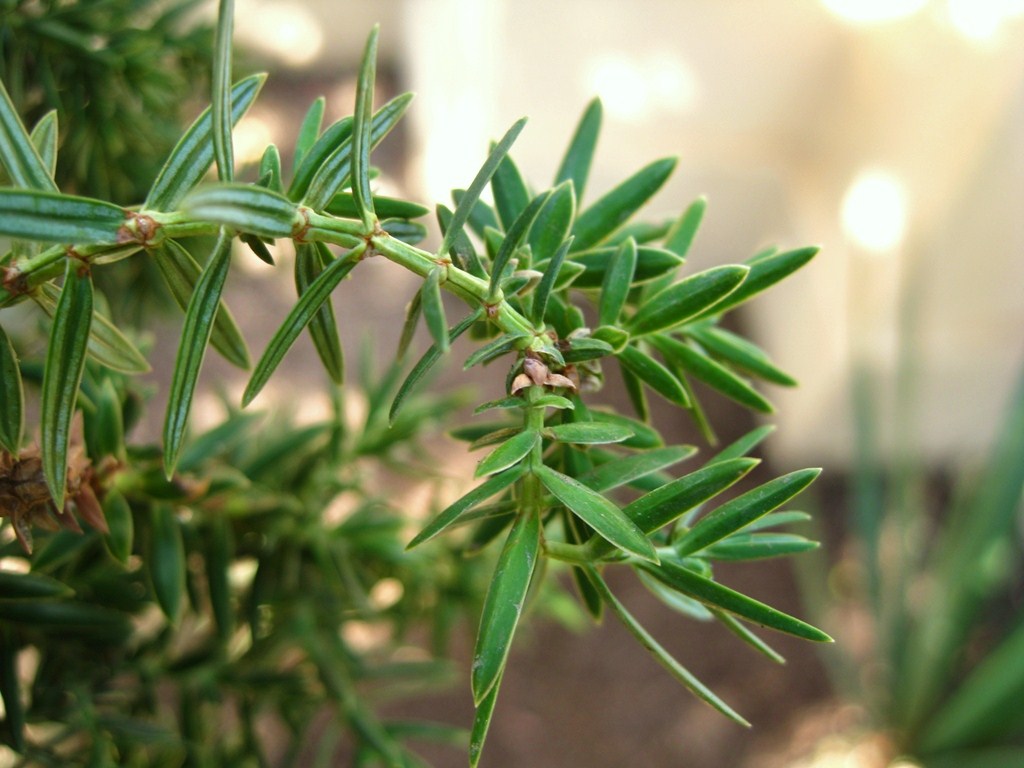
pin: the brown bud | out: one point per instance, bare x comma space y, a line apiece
521, 382
536, 370
89, 508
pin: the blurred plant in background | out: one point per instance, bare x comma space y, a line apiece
126, 69
935, 586
226, 575
234, 601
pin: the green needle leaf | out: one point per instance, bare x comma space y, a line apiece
23, 163
301, 315
334, 169
120, 524
167, 561
412, 316
711, 373
495, 349
776, 519
425, 363
758, 546
31, 586
362, 129
343, 204
44, 139
670, 502
641, 231
504, 603
635, 391
644, 436
687, 606
509, 453
325, 146
481, 217
748, 637
195, 336
433, 309
12, 397
651, 263
744, 445
513, 238
575, 166
462, 252
680, 236
542, 292
686, 299
765, 271
181, 273
269, 173
219, 551
65, 361
589, 432
310, 261
625, 470
107, 345
611, 211
743, 510
597, 512
482, 723
617, 282
60, 617
451, 514
511, 195
222, 147
663, 657
244, 207
192, 157
410, 232
50, 217
741, 353
553, 222
309, 131
716, 595
654, 374
465, 205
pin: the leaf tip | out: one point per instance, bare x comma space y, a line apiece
820, 637
170, 464
249, 395
57, 495
481, 686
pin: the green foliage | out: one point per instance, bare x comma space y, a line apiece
261, 596
120, 68
566, 480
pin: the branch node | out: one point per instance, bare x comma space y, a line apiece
140, 228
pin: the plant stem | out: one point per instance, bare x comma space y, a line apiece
567, 553
467, 287
531, 489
